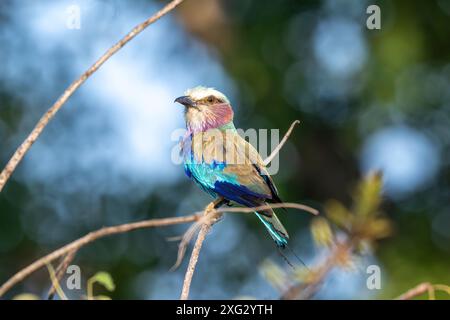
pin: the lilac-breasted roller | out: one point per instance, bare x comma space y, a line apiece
221, 162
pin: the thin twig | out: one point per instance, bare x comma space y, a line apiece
210, 216
190, 233
287, 205
281, 144
76, 245
423, 288
60, 270
55, 282
48, 116
416, 291
90, 237
204, 223
193, 260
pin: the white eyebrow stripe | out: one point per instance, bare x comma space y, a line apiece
199, 93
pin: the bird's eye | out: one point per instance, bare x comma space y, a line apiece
210, 99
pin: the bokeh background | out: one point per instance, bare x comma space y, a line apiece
367, 99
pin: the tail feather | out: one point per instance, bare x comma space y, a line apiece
275, 228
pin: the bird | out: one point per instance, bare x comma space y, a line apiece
222, 163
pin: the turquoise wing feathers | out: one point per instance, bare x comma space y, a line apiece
241, 178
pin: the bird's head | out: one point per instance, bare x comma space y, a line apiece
205, 108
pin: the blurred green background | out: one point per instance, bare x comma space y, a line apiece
367, 99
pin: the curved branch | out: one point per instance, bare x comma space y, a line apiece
286, 205
209, 218
48, 116
281, 144
90, 237
422, 288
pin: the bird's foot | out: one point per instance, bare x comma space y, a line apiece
210, 207
216, 204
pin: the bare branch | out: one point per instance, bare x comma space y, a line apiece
193, 260
423, 288
281, 144
204, 223
70, 249
55, 282
190, 233
210, 216
416, 291
60, 270
90, 237
287, 205
48, 116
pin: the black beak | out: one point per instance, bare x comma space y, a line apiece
186, 101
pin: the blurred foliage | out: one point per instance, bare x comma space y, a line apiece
364, 222
346, 233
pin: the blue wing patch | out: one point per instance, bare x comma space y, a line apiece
187, 171
238, 193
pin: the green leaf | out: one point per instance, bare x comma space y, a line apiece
368, 194
321, 231
338, 214
105, 279
26, 296
275, 275
102, 297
